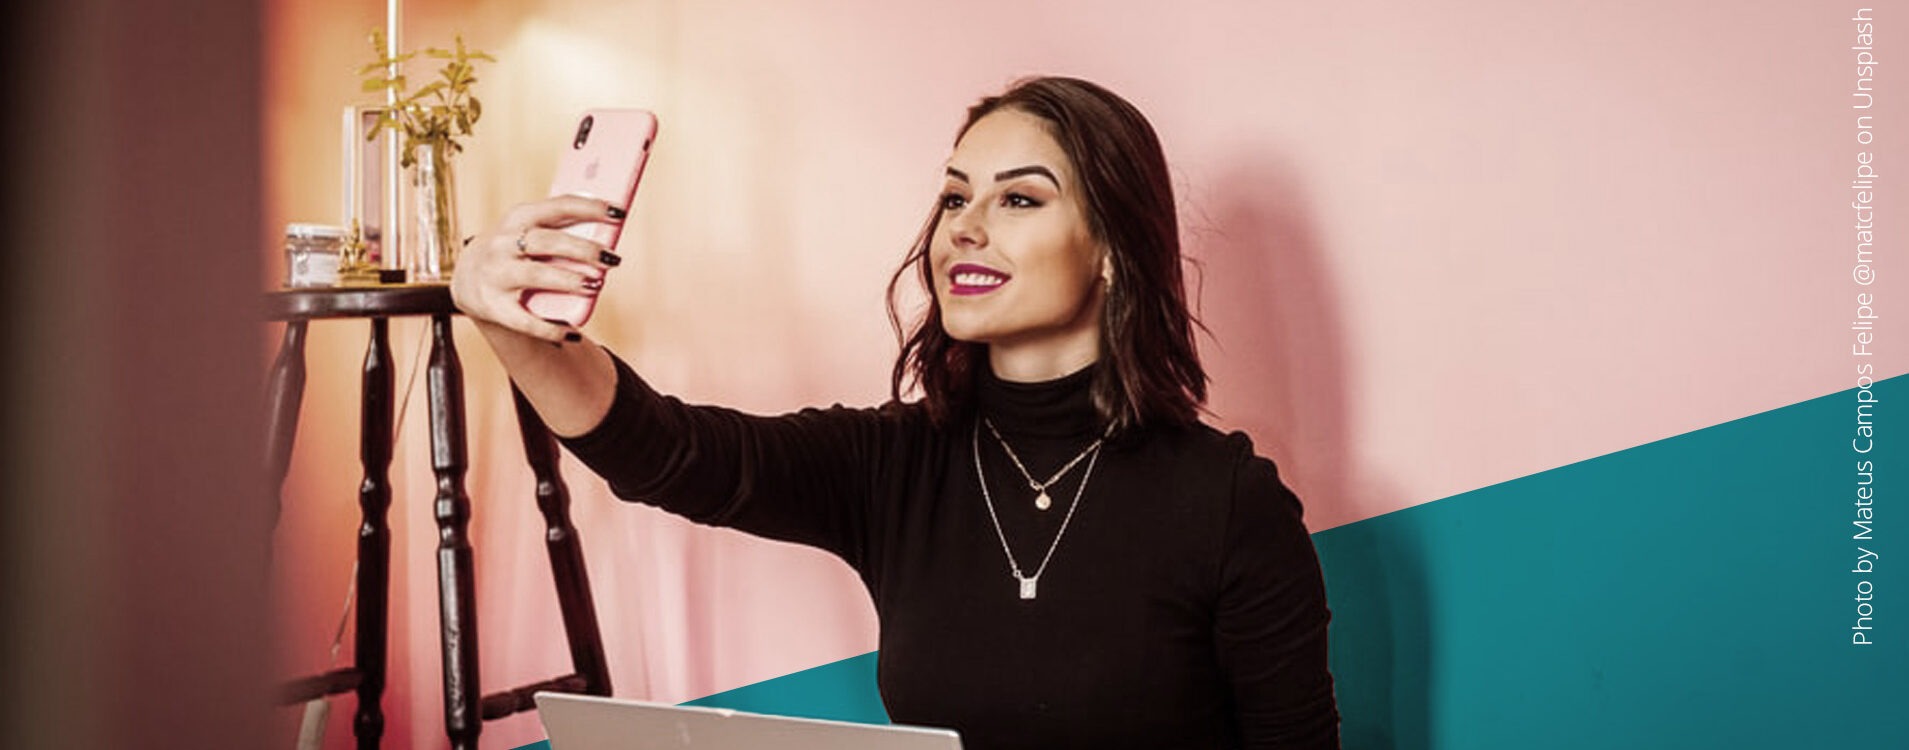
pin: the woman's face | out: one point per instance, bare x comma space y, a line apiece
1015, 265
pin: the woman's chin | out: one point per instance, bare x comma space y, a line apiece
963, 329
966, 336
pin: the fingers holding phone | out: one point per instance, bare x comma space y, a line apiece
569, 212
552, 244
499, 268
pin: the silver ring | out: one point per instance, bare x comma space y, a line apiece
523, 246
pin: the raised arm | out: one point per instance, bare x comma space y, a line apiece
808, 477
804, 477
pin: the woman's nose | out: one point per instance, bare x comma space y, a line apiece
966, 230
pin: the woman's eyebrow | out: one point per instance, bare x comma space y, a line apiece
1010, 174
1032, 169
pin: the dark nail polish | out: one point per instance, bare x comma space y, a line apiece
617, 213
573, 337
610, 259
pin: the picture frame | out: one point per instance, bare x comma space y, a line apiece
367, 192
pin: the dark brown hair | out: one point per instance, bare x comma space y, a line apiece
1150, 370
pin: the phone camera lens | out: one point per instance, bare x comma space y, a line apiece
583, 131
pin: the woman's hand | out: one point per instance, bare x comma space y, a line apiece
499, 266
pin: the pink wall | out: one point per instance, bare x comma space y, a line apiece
1442, 247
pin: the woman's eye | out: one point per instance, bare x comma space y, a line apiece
952, 201
1017, 200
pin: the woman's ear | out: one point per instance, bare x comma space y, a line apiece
1107, 269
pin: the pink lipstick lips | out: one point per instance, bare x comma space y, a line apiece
970, 279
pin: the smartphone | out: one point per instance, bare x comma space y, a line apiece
608, 149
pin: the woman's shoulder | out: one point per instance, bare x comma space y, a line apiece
887, 422
1230, 456
892, 412
1208, 445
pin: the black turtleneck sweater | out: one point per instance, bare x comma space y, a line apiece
1182, 607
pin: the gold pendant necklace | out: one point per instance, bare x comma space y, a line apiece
1041, 500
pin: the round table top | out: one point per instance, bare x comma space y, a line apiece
369, 301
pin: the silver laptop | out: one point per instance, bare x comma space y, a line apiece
587, 722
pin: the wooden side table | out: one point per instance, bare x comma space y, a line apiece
464, 710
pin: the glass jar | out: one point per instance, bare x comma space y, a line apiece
312, 254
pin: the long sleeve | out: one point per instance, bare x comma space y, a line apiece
1271, 621
805, 477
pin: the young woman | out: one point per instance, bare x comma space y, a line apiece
1060, 553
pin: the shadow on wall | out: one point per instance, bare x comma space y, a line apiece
1281, 352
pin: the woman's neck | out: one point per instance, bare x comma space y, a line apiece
1048, 361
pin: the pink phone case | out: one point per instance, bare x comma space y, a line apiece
608, 149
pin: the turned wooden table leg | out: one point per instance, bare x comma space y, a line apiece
458, 609
374, 536
283, 394
566, 553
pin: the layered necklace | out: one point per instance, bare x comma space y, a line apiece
1029, 583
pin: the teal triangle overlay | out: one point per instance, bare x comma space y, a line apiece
842, 691
1693, 592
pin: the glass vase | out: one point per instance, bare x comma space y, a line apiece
432, 253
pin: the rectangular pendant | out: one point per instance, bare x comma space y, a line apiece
1027, 588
